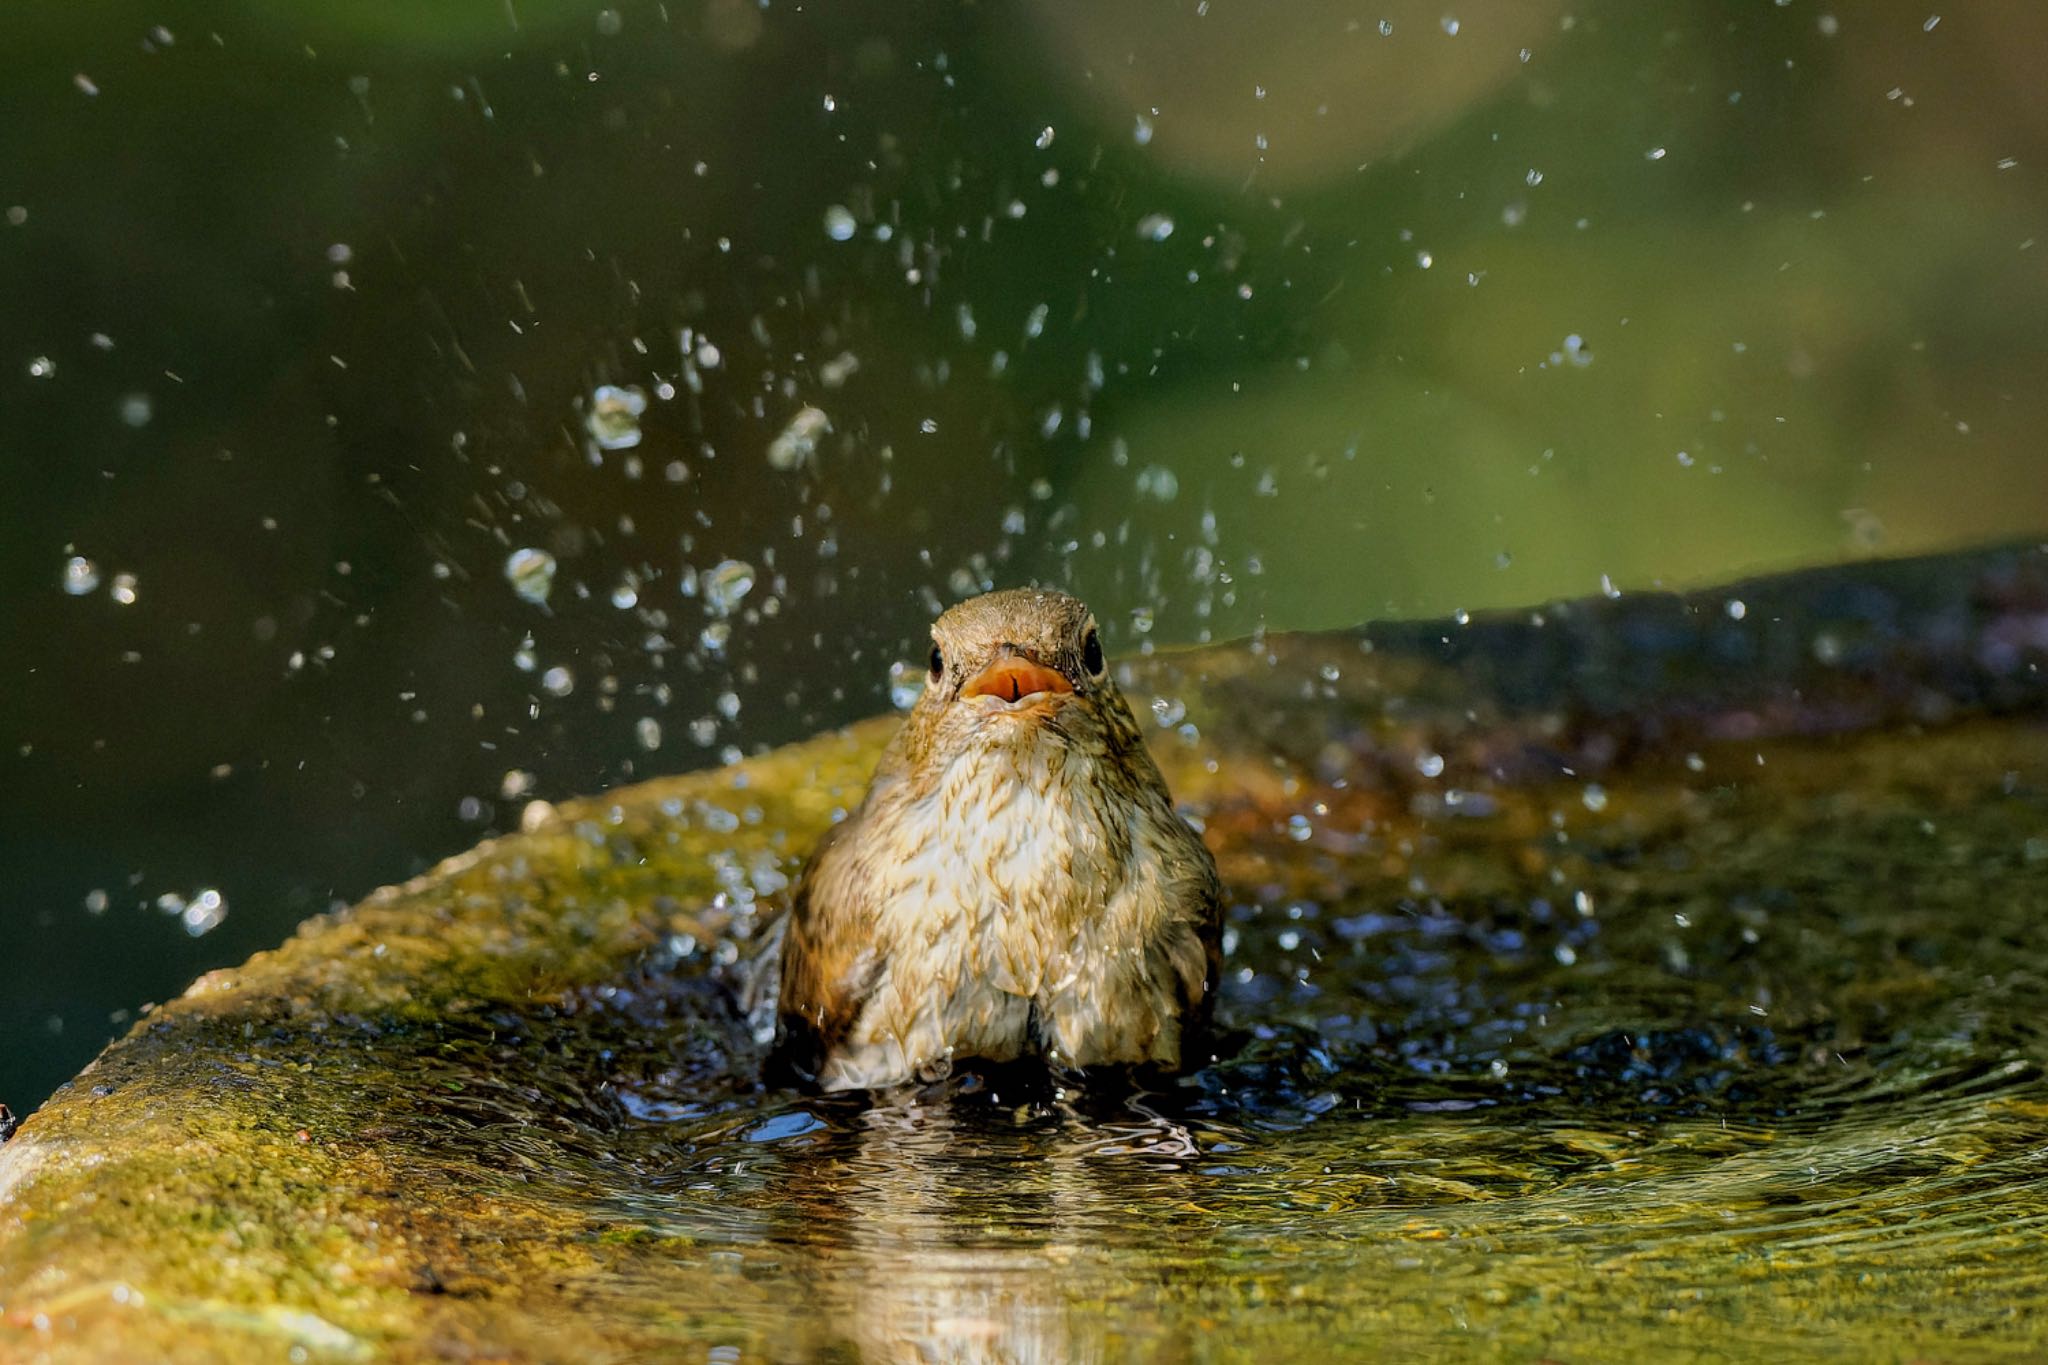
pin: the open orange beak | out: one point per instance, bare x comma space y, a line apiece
1014, 679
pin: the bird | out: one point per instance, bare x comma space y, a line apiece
1016, 883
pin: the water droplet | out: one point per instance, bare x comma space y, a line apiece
834, 373
1736, 609
1424, 259
558, 681
839, 223
203, 913
626, 595
1158, 482
1142, 620
704, 731
136, 409
122, 589
42, 367
96, 902
614, 421
81, 575
648, 731
1595, 797
609, 23
1450, 26
1386, 28
906, 685
1155, 227
1141, 131
1044, 139
1430, 765
531, 573
1169, 711
725, 583
729, 705
797, 443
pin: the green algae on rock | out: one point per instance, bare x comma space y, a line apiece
1624, 976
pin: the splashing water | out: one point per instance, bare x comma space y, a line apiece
725, 583
797, 444
614, 420
531, 573
906, 685
81, 575
1158, 483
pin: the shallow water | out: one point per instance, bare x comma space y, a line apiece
1754, 1051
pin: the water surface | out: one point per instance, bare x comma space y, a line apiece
1751, 1061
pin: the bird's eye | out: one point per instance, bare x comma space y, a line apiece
938, 663
1091, 652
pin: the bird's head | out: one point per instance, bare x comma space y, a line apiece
1012, 668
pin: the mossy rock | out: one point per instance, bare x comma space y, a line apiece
1650, 974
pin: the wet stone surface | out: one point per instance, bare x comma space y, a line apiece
1646, 980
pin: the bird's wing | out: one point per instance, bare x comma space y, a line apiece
828, 959
1209, 928
1196, 950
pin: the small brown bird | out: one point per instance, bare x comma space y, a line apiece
1016, 882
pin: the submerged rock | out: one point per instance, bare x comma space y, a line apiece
1597, 973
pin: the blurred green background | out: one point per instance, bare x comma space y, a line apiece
1223, 314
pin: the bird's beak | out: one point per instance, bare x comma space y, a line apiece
1013, 678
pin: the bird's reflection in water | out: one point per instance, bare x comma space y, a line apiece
954, 1226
